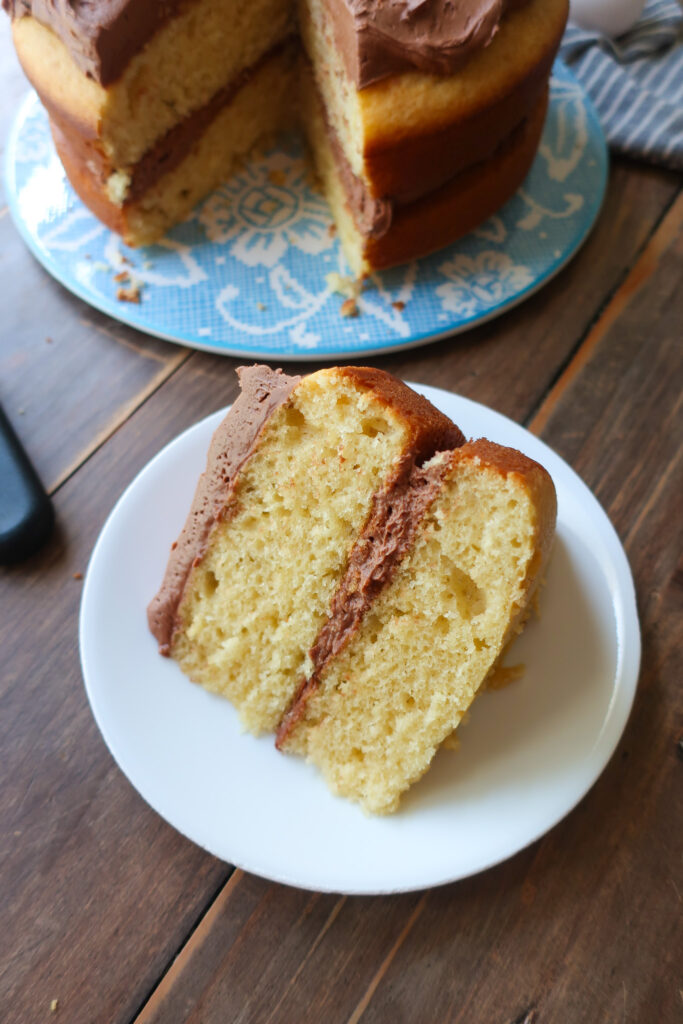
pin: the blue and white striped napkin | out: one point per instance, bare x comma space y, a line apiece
636, 82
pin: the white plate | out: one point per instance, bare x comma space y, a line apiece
528, 753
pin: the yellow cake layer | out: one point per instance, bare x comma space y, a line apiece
415, 103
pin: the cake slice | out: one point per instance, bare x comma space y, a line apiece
351, 570
373, 715
293, 474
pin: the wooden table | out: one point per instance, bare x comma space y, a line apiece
106, 909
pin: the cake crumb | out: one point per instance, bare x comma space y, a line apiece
350, 287
501, 676
349, 308
129, 294
78, 575
452, 741
54, 1005
277, 177
48, 341
400, 306
123, 275
332, 230
261, 306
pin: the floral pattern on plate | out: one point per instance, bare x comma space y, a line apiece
248, 272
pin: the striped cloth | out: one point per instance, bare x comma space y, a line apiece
636, 82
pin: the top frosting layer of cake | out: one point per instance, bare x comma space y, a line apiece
377, 38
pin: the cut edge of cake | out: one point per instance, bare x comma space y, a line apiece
293, 473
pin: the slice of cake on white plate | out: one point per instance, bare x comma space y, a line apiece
351, 571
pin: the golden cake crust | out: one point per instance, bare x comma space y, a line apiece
446, 214
415, 131
429, 429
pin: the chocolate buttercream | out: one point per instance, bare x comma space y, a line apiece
100, 35
387, 537
171, 149
378, 38
263, 391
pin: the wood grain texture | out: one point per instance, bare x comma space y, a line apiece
97, 892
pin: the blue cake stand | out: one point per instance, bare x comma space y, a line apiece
248, 273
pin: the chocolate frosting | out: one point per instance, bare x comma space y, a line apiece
378, 38
387, 537
263, 391
101, 35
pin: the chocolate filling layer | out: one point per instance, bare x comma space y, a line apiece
372, 215
235, 440
170, 150
387, 537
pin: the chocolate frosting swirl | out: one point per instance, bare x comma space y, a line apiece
378, 38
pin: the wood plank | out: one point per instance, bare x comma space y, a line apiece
65, 396
582, 926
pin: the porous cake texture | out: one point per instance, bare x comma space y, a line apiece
421, 118
350, 572
376, 714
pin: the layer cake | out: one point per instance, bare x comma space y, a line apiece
422, 117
